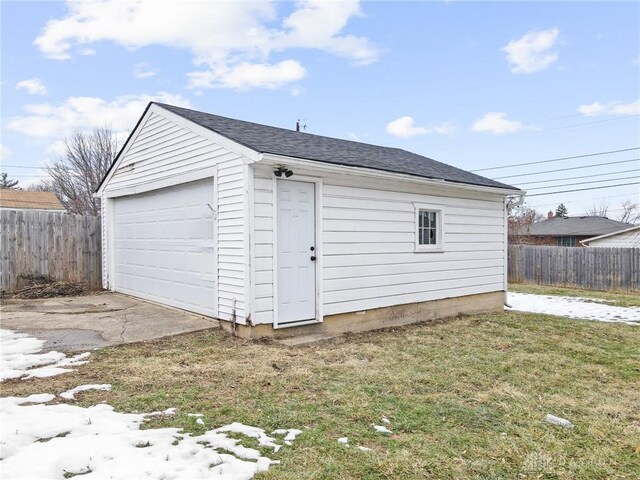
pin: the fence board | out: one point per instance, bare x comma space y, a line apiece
58, 245
583, 267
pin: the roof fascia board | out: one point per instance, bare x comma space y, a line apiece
235, 147
380, 174
630, 229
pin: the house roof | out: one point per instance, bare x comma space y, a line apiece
289, 143
576, 226
23, 199
612, 234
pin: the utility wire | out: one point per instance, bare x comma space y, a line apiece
579, 183
576, 178
583, 189
20, 166
580, 201
570, 168
557, 159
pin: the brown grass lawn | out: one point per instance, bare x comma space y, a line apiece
466, 396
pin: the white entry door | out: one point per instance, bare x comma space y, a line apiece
164, 246
296, 238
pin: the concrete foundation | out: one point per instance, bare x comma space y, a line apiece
378, 318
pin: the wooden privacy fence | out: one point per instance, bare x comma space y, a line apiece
584, 267
57, 245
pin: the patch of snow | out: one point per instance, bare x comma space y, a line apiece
194, 415
253, 432
168, 411
71, 394
20, 357
573, 307
386, 420
199, 421
54, 441
344, 441
558, 421
364, 449
381, 429
289, 433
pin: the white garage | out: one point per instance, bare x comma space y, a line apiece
164, 248
276, 231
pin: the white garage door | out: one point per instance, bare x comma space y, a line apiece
164, 246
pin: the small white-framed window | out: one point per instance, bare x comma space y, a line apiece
429, 221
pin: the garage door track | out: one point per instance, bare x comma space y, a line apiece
94, 321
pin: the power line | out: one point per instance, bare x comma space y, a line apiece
569, 168
583, 189
579, 183
21, 166
581, 201
557, 159
576, 178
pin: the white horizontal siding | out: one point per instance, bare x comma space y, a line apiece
163, 150
371, 263
368, 244
263, 259
622, 240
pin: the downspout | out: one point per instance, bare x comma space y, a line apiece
508, 204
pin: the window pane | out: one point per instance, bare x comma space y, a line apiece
427, 227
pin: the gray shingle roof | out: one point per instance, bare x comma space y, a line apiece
280, 141
576, 226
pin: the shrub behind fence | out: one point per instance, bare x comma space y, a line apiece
584, 267
57, 245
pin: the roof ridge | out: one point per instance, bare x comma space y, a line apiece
286, 129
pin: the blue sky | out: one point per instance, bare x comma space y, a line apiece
475, 84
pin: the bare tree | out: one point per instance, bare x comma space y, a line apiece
7, 183
599, 209
76, 175
520, 219
630, 212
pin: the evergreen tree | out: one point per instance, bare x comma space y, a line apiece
7, 182
561, 211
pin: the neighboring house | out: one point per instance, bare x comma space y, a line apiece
626, 238
570, 231
266, 228
32, 201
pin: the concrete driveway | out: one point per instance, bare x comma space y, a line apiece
93, 321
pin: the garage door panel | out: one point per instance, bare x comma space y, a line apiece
164, 246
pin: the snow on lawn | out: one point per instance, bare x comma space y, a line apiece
58, 441
574, 307
20, 357
71, 394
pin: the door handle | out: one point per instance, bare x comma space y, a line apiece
313, 258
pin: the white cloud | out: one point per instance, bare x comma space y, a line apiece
496, 122
611, 108
533, 52
144, 70
405, 127
46, 120
231, 43
33, 86
57, 148
297, 90
5, 153
245, 76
